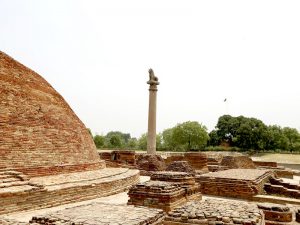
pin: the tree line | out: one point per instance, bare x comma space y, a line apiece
240, 132
252, 133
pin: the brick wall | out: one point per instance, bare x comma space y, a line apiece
38, 127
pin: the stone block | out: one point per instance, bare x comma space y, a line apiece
278, 216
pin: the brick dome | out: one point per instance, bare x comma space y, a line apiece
39, 132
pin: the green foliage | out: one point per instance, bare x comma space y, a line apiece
240, 133
190, 135
293, 138
251, 133
99, 141
142, 142
185, 136
123, 136
167, 139
132, 143
213, 138
115, 141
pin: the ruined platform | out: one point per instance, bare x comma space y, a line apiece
100, 213
238, 183
165, 190
157, 194
172, 176
49, 191
215, 211
185, 180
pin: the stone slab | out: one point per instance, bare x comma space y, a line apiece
238, 174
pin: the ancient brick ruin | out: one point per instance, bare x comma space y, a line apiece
47, 156
238, 183
40, 134
166, 190
212, 211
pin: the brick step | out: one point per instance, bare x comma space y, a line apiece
11, 184
4, 176
276, 181
9, 180
281, 190
276, 199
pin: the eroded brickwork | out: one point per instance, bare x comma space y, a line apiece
238, 183
39, 132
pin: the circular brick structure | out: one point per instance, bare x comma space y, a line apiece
39, 132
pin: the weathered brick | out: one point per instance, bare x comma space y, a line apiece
40, 134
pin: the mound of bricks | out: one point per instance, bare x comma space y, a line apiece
237, 162
181, 166
157, 194
197, 160
185, 180
147, 163
174, 157
215, 212
238, 183
172, 176
275, 214
51, 139
165, 190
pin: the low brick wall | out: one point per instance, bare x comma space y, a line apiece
45, 171
195, 159
265, 163
122, 157
276, 214
228, 184
43, 198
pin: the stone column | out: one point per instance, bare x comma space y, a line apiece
151, 138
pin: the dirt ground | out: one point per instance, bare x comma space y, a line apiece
279, 158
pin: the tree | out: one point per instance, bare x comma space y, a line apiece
99, 141
132, 143
293, 138
276, 138
214, 139
243, 132
189, 135
124, 136
115, 141
142, 141
167, 139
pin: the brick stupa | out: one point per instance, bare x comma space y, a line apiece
40, 134
47, 156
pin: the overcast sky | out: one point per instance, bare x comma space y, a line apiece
96, 54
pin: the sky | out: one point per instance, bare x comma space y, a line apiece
96, 54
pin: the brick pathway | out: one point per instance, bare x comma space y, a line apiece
100, 214
216, 212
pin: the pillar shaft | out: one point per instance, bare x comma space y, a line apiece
151, 139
